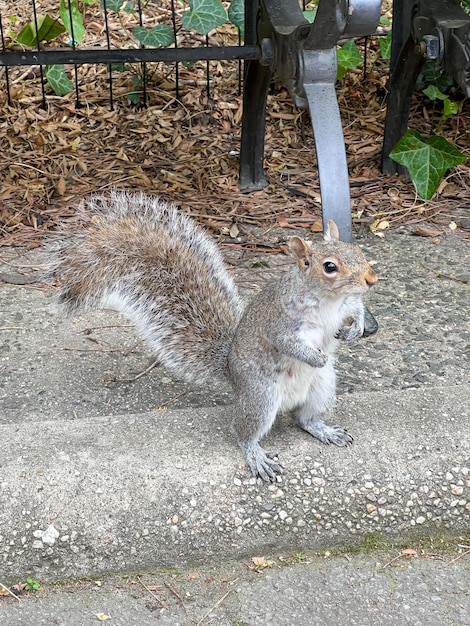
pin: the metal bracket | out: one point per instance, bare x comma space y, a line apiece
437, 30
303, 56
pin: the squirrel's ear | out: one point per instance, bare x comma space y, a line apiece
331, 232
301, 250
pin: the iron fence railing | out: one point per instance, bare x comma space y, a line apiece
42, 34
279, 40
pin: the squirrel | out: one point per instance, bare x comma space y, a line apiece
143, 257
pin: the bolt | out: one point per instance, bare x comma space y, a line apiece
430, 47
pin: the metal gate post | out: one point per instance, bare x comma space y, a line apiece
303, 56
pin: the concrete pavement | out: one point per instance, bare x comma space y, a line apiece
102, 475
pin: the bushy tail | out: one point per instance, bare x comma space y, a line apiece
151, 262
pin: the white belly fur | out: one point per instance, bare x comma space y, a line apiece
297, 381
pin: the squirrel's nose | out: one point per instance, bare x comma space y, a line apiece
371, 278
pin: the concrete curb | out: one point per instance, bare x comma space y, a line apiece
170, 488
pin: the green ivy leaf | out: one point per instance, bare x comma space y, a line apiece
48, 29
204, 16
58, 80
112, 5
76, 24
434, 93
450, 108
310, 15
349, 58
119, 67
159, 36
236, 14
426, 161
385, 44
134, 96
431, 74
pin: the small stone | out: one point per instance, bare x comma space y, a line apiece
50, 535
283, 515
237, 482
420, 519
456, 490
370, 508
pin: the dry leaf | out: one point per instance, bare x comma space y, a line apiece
260, 563
425, 231
194, 575
383, 225
102, 616
409, 552
316, 227
61, 186
379, 225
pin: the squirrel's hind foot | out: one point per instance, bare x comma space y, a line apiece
261, 462
328, 434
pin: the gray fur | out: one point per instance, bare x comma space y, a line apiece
150, 261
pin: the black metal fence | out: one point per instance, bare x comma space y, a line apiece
61, 40
280, 39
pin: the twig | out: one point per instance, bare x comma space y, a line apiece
92, 350
140, 374
154, 595
392, 561
173, 591
442, 275
458, 557
402, 554
209, 611
88, 331
10, 592
178, 595
164, 404
11, 328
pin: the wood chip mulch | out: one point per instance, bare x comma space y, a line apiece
187, 152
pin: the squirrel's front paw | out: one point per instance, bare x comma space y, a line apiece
353, 329
321, 359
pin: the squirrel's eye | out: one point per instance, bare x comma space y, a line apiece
329, 267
